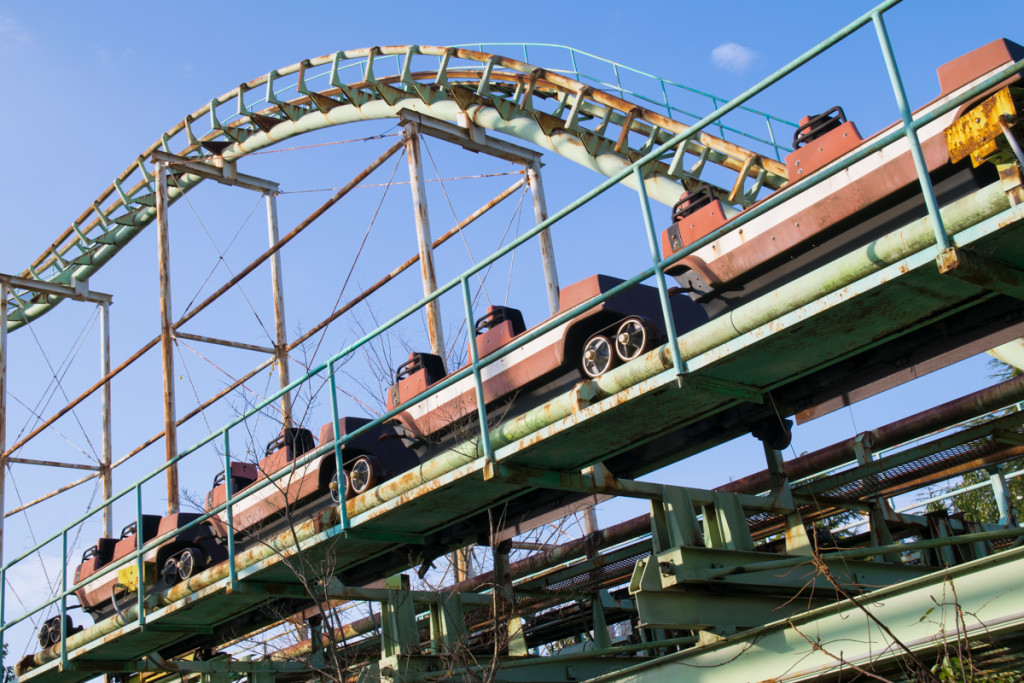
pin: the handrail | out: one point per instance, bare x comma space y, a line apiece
662, 83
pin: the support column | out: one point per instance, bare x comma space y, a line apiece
797, 540
166, 337
547, 249
106, 445
463, 563
281, 341
3, 411
1001, 492
419, 205
589, 520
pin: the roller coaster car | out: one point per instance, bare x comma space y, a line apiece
367, 460
870, 198
179, 557
617, 330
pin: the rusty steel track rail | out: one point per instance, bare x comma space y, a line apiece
541, 106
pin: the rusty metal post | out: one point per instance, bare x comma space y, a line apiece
166, 335
106, 444
547, 249
281, 341
419, 205
3, 411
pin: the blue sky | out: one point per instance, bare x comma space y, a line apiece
89, 89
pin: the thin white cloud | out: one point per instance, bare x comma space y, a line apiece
12, 34
733, 57
111, 59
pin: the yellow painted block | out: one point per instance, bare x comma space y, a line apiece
978, 133
129, 575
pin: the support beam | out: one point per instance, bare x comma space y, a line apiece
976, 601
547, 249
166, 335
54, 463
281, 335
225, 174
225, 342
1004, 501
106, 438
469, 136
426, 251
80, 292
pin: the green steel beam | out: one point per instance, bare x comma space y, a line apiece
976, 603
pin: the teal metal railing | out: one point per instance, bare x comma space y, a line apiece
484, 447
658, 95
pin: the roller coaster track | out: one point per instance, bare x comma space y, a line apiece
565, 114
875, 305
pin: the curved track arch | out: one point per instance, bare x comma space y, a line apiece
589, 126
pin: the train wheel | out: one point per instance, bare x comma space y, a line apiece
631, 339
362, 476
169, 572
49, 632
336, 497
44, 635
190, 563
598, 357
183, 565
55, 630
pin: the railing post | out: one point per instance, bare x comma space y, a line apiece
138, 556
666, 305
340, 472
228, 502
941, 238
63, 599
481, 408
3, 605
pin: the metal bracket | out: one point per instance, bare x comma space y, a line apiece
595, 479
225, 174
471, 138
981, 271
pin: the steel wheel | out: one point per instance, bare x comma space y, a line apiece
333, 487
182, 565
597, 355
362, 476
169, 571
44, 635
631, 339
55, 630
49, 632
189, 562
